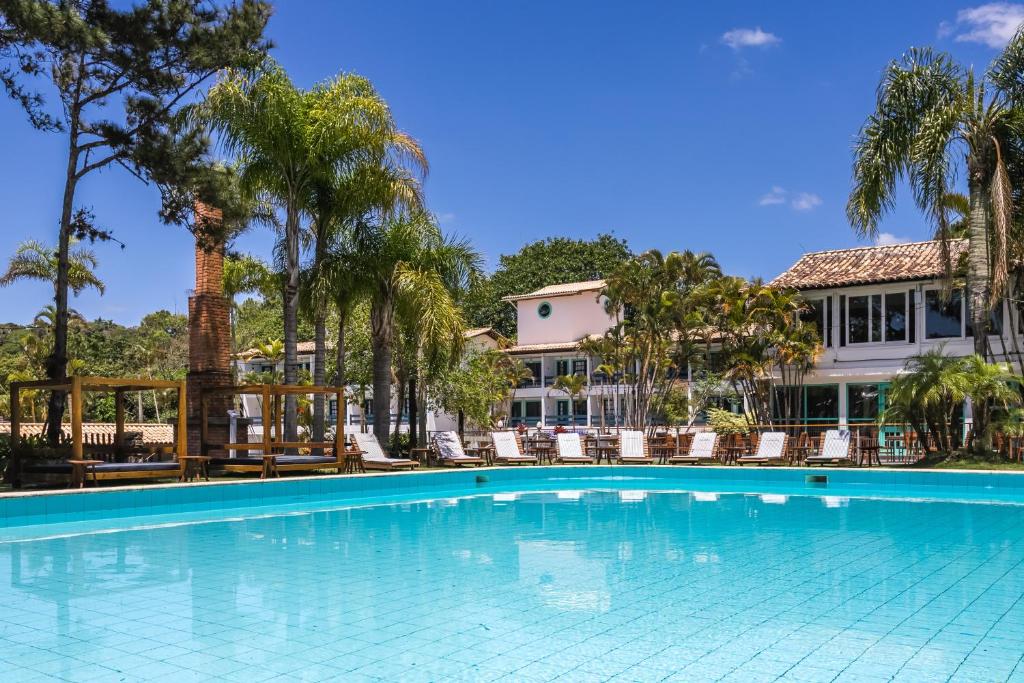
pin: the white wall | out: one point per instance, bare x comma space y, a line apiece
572, 317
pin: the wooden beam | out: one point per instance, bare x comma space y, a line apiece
182, 426
16, 430
339, 429
267, 423
118, 421
77, 449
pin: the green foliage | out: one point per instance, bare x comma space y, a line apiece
475, 387
555, 260
724, 422
676, 406
33, 260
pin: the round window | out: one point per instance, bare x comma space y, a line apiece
544, 310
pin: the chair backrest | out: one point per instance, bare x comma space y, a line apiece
836, 444
506, 444
448, 446
771, 445
631, 444
569, 445
368, 444
703, 444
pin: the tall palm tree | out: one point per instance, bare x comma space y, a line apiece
33, 260
933, 117
572, 386
410, 264
285, 138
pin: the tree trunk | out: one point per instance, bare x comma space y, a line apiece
339, 379
381, 323
414, 408
57, 363
319, 375
291, 319
978, 262
422, 422
399, 405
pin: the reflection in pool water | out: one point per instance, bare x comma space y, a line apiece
643, 584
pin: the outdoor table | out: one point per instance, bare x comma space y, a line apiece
801, 452
420, 455
871, 452
269, 466
354, 461
543, 449
193, 467
485, 452
80, 470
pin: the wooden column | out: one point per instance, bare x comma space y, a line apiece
118, 422
182, 426
339, 431
267, 421
77, 450
278, 417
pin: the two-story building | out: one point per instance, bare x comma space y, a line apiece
875, 307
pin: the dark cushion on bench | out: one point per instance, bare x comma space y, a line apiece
281, 460
65, 468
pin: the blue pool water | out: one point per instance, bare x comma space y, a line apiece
536, 576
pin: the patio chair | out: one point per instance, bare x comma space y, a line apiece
506, 450
634, 449
569, 449
450, 452
835, 449
374, 457
702, 449
771, 449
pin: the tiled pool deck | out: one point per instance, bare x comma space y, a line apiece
533, 574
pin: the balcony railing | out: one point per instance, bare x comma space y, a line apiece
566, 420
530, 383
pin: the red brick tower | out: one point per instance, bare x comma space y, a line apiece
209, 341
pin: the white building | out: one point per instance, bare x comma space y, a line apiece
875, 307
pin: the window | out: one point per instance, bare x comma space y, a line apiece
943, 318
859, 317
532, 409
815, 313
896, 317
544, 310
822, 403
995, 319
561, 367
862, 402
534, 367
579, 366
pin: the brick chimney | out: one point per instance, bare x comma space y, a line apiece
209, 337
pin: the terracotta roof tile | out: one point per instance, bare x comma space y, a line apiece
564, 289
867, 265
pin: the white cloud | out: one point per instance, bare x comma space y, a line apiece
805, 201
445, 218
776, 196
993, 24
798, 201
739, 38
885, 239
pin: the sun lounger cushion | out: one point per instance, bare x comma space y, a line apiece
837, 444
631, 444
449, 447
506, 445
703, 445
771, 445
368, 444
281, 460
569, 445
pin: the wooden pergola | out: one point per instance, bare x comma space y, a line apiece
77, 386
272, 443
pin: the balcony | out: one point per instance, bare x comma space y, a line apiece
565, 420
531, 383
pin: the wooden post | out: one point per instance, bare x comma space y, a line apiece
182, 427
267, 421
278, 417
204, 415
77, 450
119, 423
339, 432
16, 431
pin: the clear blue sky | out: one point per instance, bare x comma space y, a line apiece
724, 127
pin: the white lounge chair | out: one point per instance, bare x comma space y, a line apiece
570, 449
450, 452
835, 449
506, 449
702, 449
771, 448
374, 457
633, 448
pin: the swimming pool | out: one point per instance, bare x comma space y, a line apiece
538, 574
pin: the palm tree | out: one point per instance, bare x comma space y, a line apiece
246, 274
933, 117
572, 386
928, 396
989, 386
410, 265
285, 139
33, 260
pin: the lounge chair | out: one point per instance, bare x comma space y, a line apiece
570, 449
835, 449
702, 449
506, 450
633, 449
450, 452
374, 457
770, 449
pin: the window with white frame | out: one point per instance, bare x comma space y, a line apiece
878, 318
943, 316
